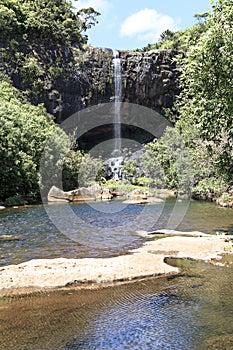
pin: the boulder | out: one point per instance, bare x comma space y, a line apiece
142, 197
106, 194
57, 195
83, 194
138, 194
92, 193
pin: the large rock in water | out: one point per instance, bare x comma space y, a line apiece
141, 197
93, 193
57, 195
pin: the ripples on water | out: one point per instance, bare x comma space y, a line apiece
192, 311
188, 312
95, 230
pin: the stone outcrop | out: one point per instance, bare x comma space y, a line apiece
150, 78
92, 193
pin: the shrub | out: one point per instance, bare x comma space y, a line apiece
208, 188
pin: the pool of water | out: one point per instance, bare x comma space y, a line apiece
191, 311
99, 229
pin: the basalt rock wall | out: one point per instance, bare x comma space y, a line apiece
67, 80
148, 78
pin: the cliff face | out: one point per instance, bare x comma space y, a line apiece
67, 80
149, 79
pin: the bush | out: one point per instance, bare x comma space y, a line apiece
24, 131
168, 162
130, 169
90, 170
14, 201
208, 189
143, 181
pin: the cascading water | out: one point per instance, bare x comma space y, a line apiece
114, 164
117, 99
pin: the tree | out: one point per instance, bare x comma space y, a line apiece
168, 162
46, 20
201, 17
205, 105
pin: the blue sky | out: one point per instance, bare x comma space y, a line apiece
131, 24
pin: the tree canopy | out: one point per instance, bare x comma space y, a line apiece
45, 19
205, 106
24, 130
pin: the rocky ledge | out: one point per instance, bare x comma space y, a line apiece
149, 260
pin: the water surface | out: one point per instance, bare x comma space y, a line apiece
98, 229
192, 311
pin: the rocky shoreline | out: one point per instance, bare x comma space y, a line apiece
149, 260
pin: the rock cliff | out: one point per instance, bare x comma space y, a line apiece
67, 80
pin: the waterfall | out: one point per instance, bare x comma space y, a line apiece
117, 99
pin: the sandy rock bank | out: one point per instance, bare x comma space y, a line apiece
146, 261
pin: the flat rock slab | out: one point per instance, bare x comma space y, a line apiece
9, 238
179, 233
146, 261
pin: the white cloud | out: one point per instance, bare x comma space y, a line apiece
147, 25
99, 5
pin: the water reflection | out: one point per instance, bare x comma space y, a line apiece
100, 230
190, 311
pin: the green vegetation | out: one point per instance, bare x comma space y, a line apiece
130, 168
30, 141
38, 41
196, 155
203, 111
23, 133
168, 162
180, 40
36, 37
205, 106
45, 20
124, 186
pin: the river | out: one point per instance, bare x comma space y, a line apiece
190, 311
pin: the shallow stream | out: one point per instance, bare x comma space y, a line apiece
98, 229
190, 311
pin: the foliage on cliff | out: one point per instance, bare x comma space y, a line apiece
44, 19
40, 41
180, 40
36, 37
